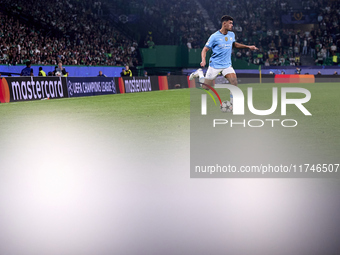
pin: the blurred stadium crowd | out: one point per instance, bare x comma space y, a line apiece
71, 31
81, 32
259, 23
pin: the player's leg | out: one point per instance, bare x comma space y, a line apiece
197, 74
230, 75
210, 76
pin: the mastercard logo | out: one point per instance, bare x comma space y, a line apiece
4, 91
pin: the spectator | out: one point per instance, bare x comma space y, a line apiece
101, 74
304, 49
312, 47
296, 49
60, 70
335, 59
239, 54
122, 73
282, 60
189, 45
127, 71
271, 56
290, 50
150, 43
297, 59
41, 72
27, 71
319, 59
333, 48
147, 38
324, 53
272, 45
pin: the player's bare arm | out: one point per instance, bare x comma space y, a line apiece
203, 55
243, 46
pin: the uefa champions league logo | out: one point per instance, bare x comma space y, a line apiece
70, 88
113, 86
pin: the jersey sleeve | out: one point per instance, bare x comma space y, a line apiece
210, 42
234, 38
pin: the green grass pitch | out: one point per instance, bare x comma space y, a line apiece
166, 114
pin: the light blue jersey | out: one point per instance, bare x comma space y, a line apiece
221, 46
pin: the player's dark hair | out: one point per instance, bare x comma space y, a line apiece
28, 63
226, 18
40, 68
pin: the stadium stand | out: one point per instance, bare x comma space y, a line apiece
260, 23
70, 31
172, 22
85, 32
